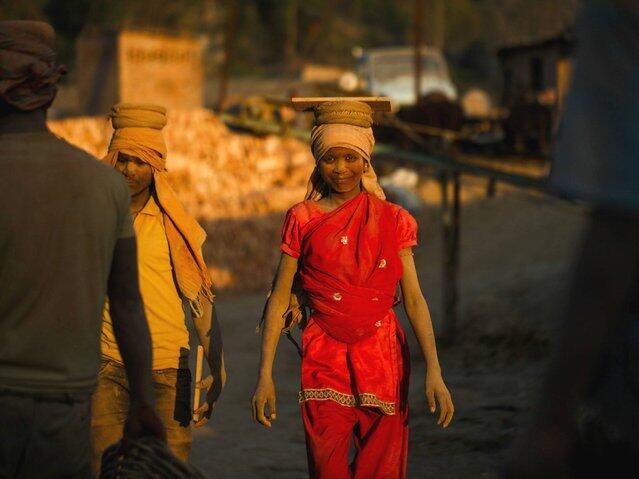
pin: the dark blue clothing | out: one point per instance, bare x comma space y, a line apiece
597, 153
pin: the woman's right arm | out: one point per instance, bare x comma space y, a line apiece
276, 306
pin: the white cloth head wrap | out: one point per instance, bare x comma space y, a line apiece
357, 138
348, 125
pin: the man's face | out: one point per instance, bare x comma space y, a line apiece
139, 175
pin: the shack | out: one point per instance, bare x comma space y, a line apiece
139, 66
535, 81
538, 69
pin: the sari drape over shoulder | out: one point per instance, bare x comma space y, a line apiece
354, 350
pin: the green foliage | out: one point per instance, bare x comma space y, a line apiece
280, 35
465, 22
22, 10
385, 22
180, 15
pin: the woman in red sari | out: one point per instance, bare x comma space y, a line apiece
349, 249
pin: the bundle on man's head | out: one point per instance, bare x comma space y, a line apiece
138, 115
28, 70
138, 132
347, 123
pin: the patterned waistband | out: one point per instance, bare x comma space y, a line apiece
349, 400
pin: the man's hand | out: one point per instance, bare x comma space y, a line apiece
264, 395
437, 394
143, 421
213, 388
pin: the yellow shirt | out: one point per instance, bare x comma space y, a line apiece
162, 303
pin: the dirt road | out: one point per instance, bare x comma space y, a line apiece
516, 252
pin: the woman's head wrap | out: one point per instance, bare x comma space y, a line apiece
138, 133
28, 72
345, 124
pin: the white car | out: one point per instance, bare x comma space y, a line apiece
390, 72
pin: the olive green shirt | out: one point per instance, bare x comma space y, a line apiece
61, 214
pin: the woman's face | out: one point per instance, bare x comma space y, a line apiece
342, 169
138, 174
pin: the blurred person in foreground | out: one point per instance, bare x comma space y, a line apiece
351, 249
66, 241
587, 420
172, 272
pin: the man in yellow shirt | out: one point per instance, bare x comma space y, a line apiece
172, 272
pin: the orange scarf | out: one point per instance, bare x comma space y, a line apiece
138, 133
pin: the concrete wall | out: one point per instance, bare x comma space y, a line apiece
141, 67
161, 69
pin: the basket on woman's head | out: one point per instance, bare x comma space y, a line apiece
343, 122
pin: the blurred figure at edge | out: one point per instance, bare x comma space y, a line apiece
587, 419
66, 241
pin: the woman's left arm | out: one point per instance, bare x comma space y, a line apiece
419, 317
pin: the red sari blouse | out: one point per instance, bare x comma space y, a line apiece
354, 349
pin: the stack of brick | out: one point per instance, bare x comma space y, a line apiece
237, 185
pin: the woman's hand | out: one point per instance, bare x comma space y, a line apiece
437, 394
264, 396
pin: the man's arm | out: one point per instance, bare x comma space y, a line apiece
134, 341
210, 337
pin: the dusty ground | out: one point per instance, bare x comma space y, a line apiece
516, 251
515, 257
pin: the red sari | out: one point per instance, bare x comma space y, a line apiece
355, 364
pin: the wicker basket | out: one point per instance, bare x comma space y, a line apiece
147, 457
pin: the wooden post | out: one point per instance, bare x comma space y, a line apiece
438, 14
450, 211
491, 188
229, 42
419, 13
564, 77
292, 26
315, 32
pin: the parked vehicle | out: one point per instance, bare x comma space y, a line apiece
390, 71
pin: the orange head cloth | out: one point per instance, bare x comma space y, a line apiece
138, 132
346, 124
28, 72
